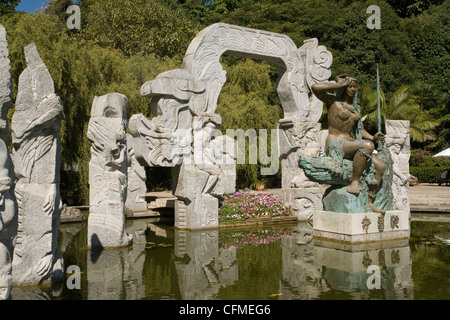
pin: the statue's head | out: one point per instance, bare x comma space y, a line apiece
349, 90
5, 286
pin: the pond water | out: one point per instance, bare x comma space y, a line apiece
281, 262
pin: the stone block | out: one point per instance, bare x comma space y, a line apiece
361, 227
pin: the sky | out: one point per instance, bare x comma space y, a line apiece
29, 5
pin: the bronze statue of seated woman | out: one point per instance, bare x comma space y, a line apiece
351, 158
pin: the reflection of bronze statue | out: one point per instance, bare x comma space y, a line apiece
343, 117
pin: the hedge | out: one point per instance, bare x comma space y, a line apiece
427, 174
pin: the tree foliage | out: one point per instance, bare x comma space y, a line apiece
7, 6
246, 102
405, 105
137, 26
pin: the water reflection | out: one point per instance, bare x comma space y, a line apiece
117, 274
282, 262
202, 267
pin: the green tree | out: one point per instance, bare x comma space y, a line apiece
247, 102
137, 26
357, 49
8, 6
299, 19
404, 105
429, 40
408, 8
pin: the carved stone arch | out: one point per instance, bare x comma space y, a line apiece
298, 68
192, 93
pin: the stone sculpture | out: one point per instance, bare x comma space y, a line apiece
108, 172
183, 98
166, 139
398, 142
36, 155
199, 179
297, 139
8, 205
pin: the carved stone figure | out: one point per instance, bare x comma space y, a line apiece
300, 139
36, 154
108, 172
8, 205
136, 187
198, 180
166, 139
398, 142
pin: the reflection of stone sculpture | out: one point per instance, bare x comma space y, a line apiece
397, 139
202, 267
346, 269
118, 274
108, 172
8, 205
35, 135
136, 188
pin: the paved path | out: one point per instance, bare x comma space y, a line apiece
429, 198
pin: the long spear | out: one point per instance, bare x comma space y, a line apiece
380, 144
358, 133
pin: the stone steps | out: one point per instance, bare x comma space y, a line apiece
162, 203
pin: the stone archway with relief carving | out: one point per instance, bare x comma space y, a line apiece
183, 106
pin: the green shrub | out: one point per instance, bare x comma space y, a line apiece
424, 158
427, 174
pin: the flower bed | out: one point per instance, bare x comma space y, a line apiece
244, 206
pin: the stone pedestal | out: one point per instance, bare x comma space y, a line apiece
361, 227
194, 209
187, 217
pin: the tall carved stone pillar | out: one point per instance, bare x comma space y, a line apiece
36, 154
398, 142
136, 186
8, 205
108, 172
297, 139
